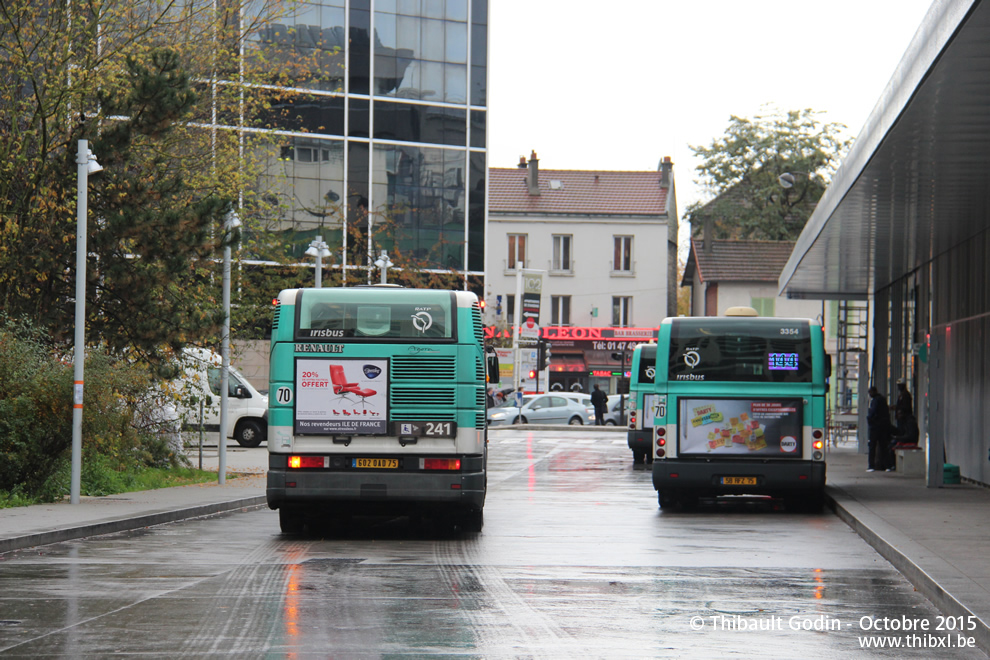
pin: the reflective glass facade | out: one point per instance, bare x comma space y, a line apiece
386, 132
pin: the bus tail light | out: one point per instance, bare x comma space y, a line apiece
661, 453
632, 419
440, 463
818, 442
297, 462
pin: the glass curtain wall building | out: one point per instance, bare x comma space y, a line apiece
381, 143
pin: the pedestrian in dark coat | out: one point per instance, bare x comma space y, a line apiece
599, 400
878, 420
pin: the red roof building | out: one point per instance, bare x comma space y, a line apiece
735, 272
606, 243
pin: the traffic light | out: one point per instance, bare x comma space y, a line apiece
543, 354
482, 303
532, 374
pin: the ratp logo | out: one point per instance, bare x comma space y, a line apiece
422, 321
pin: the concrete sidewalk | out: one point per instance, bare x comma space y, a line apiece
934, 536
25, 527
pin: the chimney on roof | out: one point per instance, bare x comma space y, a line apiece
665, 168
522, 163
533, 177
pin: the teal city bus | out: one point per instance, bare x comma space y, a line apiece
642, 402
740, 409
377, 404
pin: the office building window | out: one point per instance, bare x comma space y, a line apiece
622, 254
560, 310
561, 253
621, 311
517, 251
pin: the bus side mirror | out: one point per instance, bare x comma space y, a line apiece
491, 359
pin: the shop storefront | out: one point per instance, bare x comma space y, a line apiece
583, 357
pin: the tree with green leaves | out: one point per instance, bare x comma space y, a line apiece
741, 171
143, 83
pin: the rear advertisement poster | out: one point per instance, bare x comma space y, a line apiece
341, 396
742, 427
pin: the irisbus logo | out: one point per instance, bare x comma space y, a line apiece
326, 333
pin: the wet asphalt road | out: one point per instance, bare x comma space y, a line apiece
575, 560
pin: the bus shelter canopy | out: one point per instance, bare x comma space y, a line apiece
915, 183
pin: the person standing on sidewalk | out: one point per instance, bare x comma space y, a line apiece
599, 401
878, 420
904, 407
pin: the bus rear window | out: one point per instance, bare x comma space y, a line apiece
647, 364
750, 350
359, 314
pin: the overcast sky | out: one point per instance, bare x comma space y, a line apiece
619, 85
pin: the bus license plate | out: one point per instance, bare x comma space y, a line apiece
428, 429
738, 481
391, 463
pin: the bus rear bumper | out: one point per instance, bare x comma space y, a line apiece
375, 491
640, 440
702, 478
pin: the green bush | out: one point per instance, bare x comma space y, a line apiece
127, 425
35, 412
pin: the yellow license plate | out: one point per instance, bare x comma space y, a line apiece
738, 481
376, 463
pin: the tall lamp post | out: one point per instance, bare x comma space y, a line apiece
384, 263
230, 223
319, 249
85, 165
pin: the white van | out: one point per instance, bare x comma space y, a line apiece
247, 409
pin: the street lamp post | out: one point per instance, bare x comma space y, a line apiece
230, 223
85, 165
319, 249
384, 263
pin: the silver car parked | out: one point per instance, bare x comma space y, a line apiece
613, 409
541, 409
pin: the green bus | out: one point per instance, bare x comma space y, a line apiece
377, 405
740, 409
642, 402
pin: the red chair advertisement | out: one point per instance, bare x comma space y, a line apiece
341, 395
